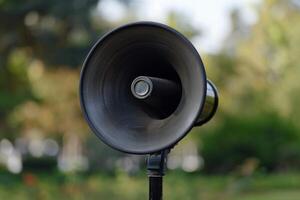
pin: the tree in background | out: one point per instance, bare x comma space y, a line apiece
42, 45
37, 33
259, 87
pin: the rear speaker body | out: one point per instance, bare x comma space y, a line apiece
143, 87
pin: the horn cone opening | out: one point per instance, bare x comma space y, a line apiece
140, 60
137, 125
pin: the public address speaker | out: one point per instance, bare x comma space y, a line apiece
143, 87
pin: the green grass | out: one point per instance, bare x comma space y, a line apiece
177, 185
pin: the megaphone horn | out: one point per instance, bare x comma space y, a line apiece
143, 87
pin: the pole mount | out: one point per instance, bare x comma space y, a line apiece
156, 167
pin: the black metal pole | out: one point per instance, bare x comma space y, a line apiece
155, 188
156, 165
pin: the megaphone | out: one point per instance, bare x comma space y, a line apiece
143, 87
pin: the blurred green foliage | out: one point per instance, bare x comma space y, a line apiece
258, 78
36, 36
256, 129
42, 45
177, 186
272, 140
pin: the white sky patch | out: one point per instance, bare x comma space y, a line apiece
210, 16
111, 10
